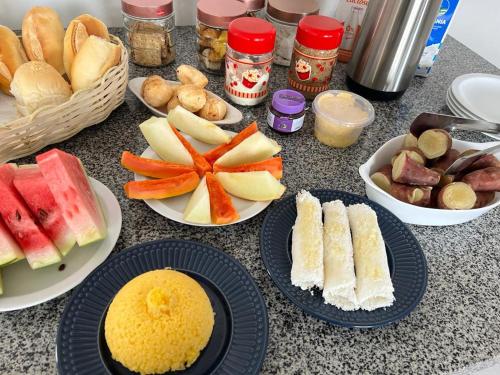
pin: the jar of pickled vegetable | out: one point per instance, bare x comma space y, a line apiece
214, 17
150, 26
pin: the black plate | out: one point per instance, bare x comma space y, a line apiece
406, 260
239, 339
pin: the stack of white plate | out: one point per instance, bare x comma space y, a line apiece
476, 96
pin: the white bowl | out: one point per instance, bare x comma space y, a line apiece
413, 214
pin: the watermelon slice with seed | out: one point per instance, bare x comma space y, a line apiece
31, 184
9, 249
74, 194
36, 245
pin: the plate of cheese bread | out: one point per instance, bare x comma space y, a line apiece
343, 258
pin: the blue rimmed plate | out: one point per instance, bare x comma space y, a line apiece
239, 339
406, 262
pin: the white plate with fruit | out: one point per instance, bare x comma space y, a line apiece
72, 222
207, 178
440, 209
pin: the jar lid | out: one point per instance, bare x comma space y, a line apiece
291, 11
219, 13
253, 5
320, 32
251, 35
148, 8
288, 101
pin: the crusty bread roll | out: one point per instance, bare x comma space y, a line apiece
12, 55
94, 59
77, 33
37, 84
43, 36
156, 91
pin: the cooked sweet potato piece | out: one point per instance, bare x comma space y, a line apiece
487, 179
221, 206
212, 155
434, 143
383, 178
410, 140
152, 167
445, 161
413, 153
456, 196
416, 195
446, 179
201, 164
485, 161
484, 198
407, 171
273, 166
162, 188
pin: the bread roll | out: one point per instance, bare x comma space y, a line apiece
43, 36
93, 60
12, 55
77, 33
37, 84
156, 91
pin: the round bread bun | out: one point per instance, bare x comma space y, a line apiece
43, 36
12, 56
156, 91
77, 33
95, 57
37, 84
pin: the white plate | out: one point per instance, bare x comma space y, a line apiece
413, 214
24, 287
479, 94
173, 208
233, 115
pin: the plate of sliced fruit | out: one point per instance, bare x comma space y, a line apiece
207, 176
56, 226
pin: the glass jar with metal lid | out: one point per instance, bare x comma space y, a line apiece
248, 60
314, 54
255, 8
150, 28
285, 16
214, 17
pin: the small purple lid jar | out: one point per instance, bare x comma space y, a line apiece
287, 111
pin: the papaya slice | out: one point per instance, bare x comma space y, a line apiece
273, 166
162, 188
222, 210
151, 167
212, 155
200, 163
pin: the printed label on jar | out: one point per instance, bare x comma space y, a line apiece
246, 81
284, 124
310, 75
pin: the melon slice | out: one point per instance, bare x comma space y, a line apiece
163, 141
73, 193
254, 186
274, 166
201, 164
197, 127
32, 186
9, 249
162, 188
255, 148
151, 167
222, 210
36, 245
218, 151
198, 208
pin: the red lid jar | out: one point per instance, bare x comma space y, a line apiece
248, 60
315, 54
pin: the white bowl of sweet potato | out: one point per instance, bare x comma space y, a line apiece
412, 186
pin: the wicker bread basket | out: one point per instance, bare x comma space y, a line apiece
51, 124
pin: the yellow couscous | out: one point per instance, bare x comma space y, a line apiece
159, 321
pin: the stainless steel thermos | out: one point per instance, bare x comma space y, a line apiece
392, 39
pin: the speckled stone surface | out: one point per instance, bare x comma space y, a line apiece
456, 325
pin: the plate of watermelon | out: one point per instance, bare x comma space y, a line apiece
56, 226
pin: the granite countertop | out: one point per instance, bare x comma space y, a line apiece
455, 325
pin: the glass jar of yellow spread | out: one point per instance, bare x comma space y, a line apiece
341, 116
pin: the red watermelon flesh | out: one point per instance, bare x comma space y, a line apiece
9, 249
30, 183
73, 193
37, 247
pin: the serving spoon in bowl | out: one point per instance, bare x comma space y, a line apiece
465, 161
428, 120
